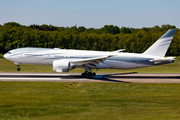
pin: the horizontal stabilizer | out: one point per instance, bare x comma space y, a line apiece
162, 60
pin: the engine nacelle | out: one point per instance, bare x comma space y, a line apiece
61, 66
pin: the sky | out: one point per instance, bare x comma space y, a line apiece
91, 13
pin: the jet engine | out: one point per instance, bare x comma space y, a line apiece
62, 66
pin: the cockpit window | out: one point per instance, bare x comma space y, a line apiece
9, 52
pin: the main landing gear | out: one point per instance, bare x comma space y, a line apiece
88, 73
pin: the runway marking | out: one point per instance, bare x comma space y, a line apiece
44, 80
54, 74
10, 78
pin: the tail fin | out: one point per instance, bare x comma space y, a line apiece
160, 47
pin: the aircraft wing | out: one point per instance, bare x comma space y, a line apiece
91, 62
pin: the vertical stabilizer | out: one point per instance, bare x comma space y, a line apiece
160, 47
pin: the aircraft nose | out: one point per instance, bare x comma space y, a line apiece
6, 56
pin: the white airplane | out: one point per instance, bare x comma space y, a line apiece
64, 60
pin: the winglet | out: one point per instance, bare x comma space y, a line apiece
160, 47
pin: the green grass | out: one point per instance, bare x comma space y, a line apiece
88, 101
1, 55
7, 66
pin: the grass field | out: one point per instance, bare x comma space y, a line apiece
88, 101
7, 66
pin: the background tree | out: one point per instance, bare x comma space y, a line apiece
108, 38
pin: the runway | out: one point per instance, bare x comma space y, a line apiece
100, 77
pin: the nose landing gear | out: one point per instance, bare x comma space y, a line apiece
18, 69
18, 65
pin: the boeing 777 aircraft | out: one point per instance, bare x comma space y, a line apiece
64, 60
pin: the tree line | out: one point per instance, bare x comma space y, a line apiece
108, 38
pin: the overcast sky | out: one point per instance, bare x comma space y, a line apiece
91, 13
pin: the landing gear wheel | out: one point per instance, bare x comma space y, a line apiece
88, 74
18, 69
83, 75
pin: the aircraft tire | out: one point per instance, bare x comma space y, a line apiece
90, 75
94, 74
86, 75
82, 75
